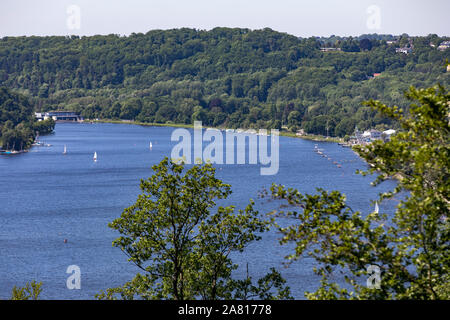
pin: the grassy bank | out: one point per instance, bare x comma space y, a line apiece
312, 137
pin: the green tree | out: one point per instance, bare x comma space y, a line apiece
30, 291
45, 126
181, 246
200, 115
294, 118
148, 112
410, 247
130, 109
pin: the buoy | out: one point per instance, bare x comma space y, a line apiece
65, 240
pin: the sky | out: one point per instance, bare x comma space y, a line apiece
296, 17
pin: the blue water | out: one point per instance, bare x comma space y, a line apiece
46, 197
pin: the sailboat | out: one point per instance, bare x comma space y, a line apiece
151, 145
95, 156
65, 149
376, 207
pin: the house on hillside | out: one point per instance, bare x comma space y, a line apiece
444, 46
329, 49
405, 50
386, 135
371, 135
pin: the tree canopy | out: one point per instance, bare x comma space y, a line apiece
411, 247
226, 76
181, 241
17, 122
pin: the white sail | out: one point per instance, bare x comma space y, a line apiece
151, 145
376, 207
95, 156
65, 149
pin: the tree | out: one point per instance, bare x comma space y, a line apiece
165, 113
45, 126
130, 109
365, 44
294, 118
114, 110
200, 114
31, 291
148, 112
181, 246
410, 248
17, 123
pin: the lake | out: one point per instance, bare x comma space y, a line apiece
46, 197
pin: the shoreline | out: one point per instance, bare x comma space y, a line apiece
310, 137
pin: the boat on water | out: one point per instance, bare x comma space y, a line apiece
41, 144
151, 145
65, 149
7, 152
95, 156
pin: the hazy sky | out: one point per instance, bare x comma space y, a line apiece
297, 17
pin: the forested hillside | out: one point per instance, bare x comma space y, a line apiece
224, 77
17, 123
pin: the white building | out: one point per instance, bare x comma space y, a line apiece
372, 134
387, 134
403, 50
444, 46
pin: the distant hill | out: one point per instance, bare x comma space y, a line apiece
17, 123
224, 77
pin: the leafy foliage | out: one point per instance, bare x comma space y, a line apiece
31, 291
17, 125
411, 247
225, 77
183, 247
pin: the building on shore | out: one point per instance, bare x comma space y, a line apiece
330, 49
368, 136
444, 46
386, 135
60, 116
371, 135
405, 50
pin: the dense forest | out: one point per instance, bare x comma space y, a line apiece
223, 77
18, 127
